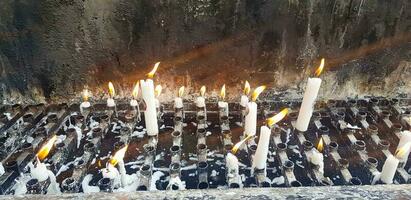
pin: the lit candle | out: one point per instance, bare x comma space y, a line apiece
85, 104
244, 98
112, 92
388, 169
231, 163
150, 114
178, 101
310, 95
317, 158
222, 105
404, 140
260, 157
133, 101
117, 159
40, 171
251, 117
200, 102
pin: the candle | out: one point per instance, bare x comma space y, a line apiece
389, 169
178, 101
317, 158
200, 102
244, 98
133, 101
222, 105
251, 117
117, 159
150, 114
85, 104
231, 163
112, 92
40, 171
260, 157
310, 95
405, 141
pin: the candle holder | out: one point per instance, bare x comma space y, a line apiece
202, 175
69, 185
178, 123
261, 178
150, 153
288, 172
35, 186
105, 185
233, 178
79, 121
202, 152
177, 138
175, 173
175, 154
226, 140
144, 177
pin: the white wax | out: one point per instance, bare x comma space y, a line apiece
244, 100
404, 139
178, 102
110, 102
112, 173
133, 103
389, 169
251, 119
39, 171
307, 106
86, 186
317, 158
85, 104
2, 171
200, 102
123, 173
231, 162
150, 114
260, 157
223, 105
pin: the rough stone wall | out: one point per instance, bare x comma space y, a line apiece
51, 49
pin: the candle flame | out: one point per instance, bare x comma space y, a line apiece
111, 90
320, 68
135, 90
246, 88
203, 90
238, 145
119, 155
45, 149
320, 146
257, 92
276, 118
86, 95
222, 92
153, 71
181, 91
401, 151
158, 90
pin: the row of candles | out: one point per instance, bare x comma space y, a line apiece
151, 103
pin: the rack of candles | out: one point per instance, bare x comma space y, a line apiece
138, 143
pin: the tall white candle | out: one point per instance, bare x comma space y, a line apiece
251, 119
404, 143
310, 95
150, 114
260, 157
389, 169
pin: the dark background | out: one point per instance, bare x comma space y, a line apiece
51, 49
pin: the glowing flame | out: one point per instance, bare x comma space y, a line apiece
238, 145
86, 95
276, 118
135, 90
246, 88
153, 71
320, 68
45, 150
158, 90
99, 164
111, 90
203, 90
181, 91
257, 92
222, 92
320, 146
119, 155
401, 151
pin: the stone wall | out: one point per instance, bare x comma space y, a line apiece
51, 49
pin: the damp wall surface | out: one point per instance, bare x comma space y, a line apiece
51, 49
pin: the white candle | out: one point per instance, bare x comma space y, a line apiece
39, 172
389, 169
110, 102
231, 162
404, 143
150, 114
222, 105
317, 158
260, 157
307, 106
123, 173
244, 100
112, 92
251, 119
200, 102
178, 102
133, 103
